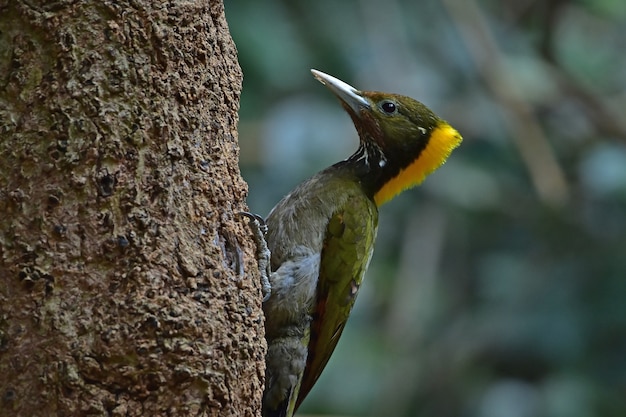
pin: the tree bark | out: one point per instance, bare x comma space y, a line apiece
128, 287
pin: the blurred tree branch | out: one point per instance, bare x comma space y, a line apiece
529, 137
604, 118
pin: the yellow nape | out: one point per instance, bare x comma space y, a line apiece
443, 139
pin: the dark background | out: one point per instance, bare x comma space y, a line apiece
498, 288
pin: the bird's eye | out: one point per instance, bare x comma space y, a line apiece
389, 107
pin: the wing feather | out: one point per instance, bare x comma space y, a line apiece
348, 246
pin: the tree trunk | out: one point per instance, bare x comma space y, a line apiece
128, 287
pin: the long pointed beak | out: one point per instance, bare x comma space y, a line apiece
345, 92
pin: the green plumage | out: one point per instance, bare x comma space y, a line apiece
347, 250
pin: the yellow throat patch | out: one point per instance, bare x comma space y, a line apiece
443, 139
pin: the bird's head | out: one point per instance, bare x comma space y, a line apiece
402, 140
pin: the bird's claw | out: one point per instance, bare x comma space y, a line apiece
260, 220
259, 230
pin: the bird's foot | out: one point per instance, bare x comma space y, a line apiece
259, 230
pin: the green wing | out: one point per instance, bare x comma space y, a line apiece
348, 246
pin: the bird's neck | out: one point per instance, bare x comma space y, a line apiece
370, 167
384, 175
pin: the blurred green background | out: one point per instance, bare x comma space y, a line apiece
498, 288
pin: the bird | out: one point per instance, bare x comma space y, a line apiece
321, 235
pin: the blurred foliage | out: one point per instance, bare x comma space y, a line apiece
498, 288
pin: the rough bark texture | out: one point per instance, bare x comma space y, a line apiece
127, 284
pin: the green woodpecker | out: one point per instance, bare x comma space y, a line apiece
321, 235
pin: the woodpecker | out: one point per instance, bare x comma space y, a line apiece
321, 235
